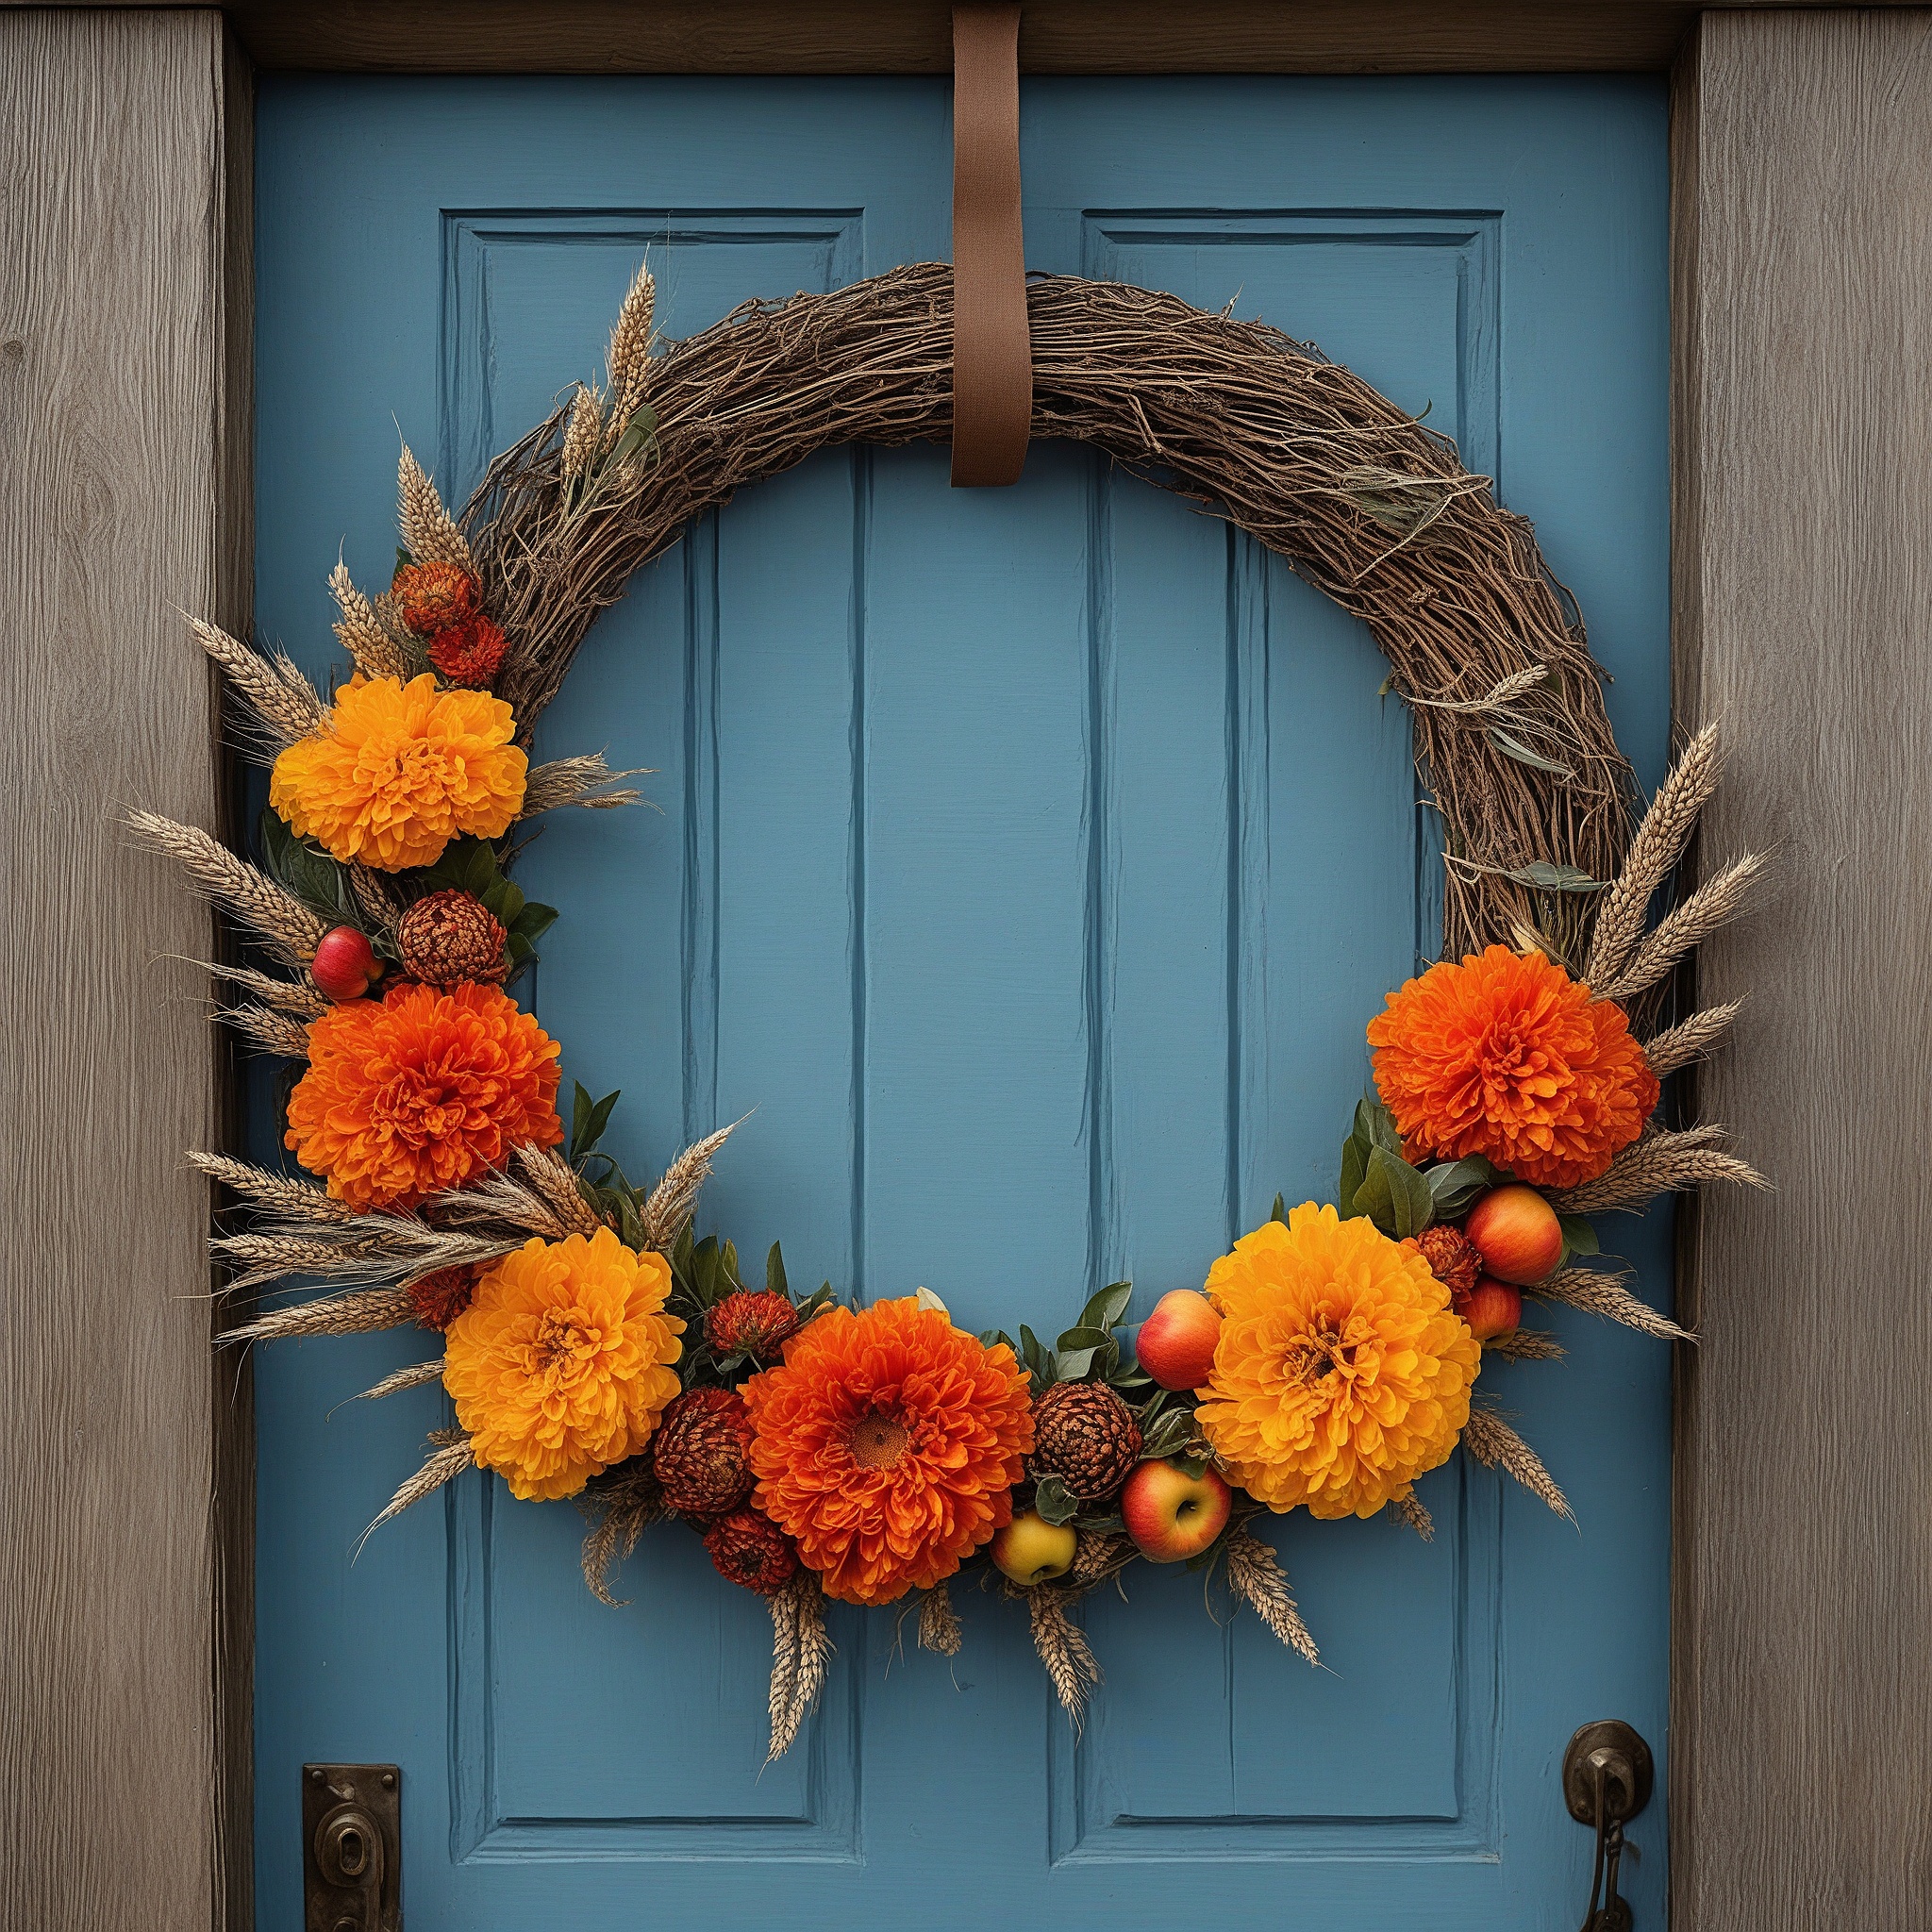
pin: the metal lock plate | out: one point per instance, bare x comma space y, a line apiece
352, 1848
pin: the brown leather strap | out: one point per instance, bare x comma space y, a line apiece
992, 362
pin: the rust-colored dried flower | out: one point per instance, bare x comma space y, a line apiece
754, 1325
468, 652
1083, 1434
1454, 1259
441, 1297
449, 937
431, 597
750, 1549
699, 1453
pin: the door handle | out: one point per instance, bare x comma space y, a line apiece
1607, 1775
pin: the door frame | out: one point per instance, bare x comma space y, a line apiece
1801, 155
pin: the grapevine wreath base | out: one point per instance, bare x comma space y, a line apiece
594, 1347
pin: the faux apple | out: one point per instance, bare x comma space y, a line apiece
1175, 1344
1516, 1233
1032, 1550
345, 965
1172, 1515
1492, 1307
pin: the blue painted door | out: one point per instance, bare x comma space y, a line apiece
1031, 862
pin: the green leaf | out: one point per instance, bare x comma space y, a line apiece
532, 923
1455, 1184
505, 901
1377, 1124
1579, 1236
1546, 877
1394, 1196
1072, 1364
1105, 1310
631, 1224
1279, 1211
775, 1272
469, 865
1051, 1499
1354, 1164
1168, 1435
587, 1120
1515, 748
1083, 1338
727, 1262
705, 1271
403, 562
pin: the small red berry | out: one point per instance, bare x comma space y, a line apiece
345, 965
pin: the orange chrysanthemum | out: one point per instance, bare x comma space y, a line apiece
887, 1446
400, 771
1507, 1057
563, 1364
419, 1091
1340, 1375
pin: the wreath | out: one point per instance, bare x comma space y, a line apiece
594, 1347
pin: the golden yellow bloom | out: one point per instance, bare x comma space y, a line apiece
562, 1365
400, 771
1340, 1375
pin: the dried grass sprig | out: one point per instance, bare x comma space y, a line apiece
577, 781
1599, 1293
1413, 1514
361, 633
446, 1462
1497, 1445
278, 919
1097, 1557
293, 1200
938, 1623
502, 1201
1691, 1039
1525, 1345
359, 1313
619, 1508
1654, 849
583, 435
673, 1201
274, 688
273, 1031
801, 1653
1660, 1163
555, 1181
302, 997
429, 534
1071, 1665
630, 349
1255, 1574
414, 1376
1713, 905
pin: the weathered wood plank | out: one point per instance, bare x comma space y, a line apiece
123, 500
1804, 614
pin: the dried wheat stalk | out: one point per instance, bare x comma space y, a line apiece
1097, 1557
1660, 1163
274, 1032
359, 1313
555, 1181
278, 919
1232, 414
630, 350
1063, 1648
671, 1200
1691, 1039
783, 1605
801, 1651
445, 1462
1654, 849
500, 1200
1255, 1574
1412, 1513
1713, 905
376, 1250
938, 1623
429, 534
575, 781
294, 1200
299, 997
286, 705
583, 435
1525, 1345
619, 1507
362, 634
1598, 1293
1497, 1445
414, 1376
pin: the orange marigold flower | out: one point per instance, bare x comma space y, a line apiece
419, 1091
1340, 1375
887, 1446
1506, 1055
562, 1363
433, 596
400, 771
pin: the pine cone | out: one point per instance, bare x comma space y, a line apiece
1087, 1436
699, 1453
1454, 1259
432, 597
750, 1549
441, 1297
754, 1325
468, 652
450, 937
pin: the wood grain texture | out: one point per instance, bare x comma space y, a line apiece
1804, 603
122, 492
1093, 37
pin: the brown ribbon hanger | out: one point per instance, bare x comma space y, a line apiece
993, 360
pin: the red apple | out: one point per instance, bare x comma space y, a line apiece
345, 965
1492, 1307
1172, 1515
1032, 1550
1516, 1233
1175, 1344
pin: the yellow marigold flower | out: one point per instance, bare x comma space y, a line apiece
400, 771
1340, 1375
560, 1366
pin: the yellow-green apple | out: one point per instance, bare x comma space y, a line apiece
1175, 1344
1032, 1550
1492, 1307
1172, 1515
1516, 1233
344, 963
